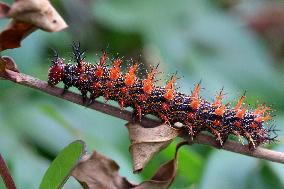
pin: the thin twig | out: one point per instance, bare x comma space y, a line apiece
205, 139
5, 174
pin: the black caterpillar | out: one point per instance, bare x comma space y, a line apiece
166, 103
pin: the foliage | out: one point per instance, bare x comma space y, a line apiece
202, 40
59, 170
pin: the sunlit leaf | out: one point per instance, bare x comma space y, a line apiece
61, 167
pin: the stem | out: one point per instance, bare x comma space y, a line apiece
205, 139
5, 174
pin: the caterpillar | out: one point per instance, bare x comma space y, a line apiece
171, 106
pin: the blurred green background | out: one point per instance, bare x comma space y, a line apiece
233, 44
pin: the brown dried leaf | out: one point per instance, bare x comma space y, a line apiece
163, 177
27, 16
14, 33
146, 142
4, 9
98, 171
39, 13
7, 67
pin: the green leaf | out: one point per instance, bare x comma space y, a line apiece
228, 170
61, 167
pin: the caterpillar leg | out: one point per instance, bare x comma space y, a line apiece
165, 120
84, 96
219, 139
121, 104
137, 114
251, 142
224, 138
91, 101
190, 131
66, 87
93, 97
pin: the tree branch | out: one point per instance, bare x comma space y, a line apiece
205, 139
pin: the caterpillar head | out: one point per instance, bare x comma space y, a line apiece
56, 71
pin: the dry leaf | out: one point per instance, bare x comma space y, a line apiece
14, 33
4, 9
7, 67
27, 16
163, 177
97, 171
39, 13
146, 142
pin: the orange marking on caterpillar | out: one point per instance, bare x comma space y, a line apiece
99, 72
115, 70
240, 103
262, 119
253, 125
261, 110
97, 85
219, 97
191, 115
241, 113
110, 84
238, 124
124, 90
195, 102
267, 118
169, 94
130, 77
195, 93
217, 122
220, 110
148, 82
218, 103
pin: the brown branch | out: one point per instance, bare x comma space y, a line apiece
5, 174
205, 139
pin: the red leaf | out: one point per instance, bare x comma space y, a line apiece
14, 33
